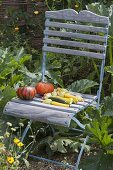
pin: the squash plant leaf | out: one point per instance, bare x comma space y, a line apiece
15, 79
20, 53
58, 145
55, 77
26, 72
99, 130
63, 144
24, 58
7, 94
81, 85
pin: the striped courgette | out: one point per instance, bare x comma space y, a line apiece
58, 99
62, 99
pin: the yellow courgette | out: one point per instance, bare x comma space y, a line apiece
59, 104
49, 101
75, 98
67, 100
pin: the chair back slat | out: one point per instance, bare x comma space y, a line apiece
75, 35
72, 15
97, 47
74, 52
75, 27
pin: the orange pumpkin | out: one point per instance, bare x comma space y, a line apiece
26, 93
44, 87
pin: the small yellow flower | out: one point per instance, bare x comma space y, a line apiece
10, 159
9, 124
16, 140
20, 144
13, 129
36, 12
7, 134
16, 28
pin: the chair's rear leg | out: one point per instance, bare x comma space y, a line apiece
26, 130
81, 152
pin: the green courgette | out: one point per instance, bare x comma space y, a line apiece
57, 99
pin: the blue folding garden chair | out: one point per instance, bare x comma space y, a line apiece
66, 32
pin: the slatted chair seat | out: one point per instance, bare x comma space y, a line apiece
68, 32
37, 110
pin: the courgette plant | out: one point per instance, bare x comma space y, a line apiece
13, 71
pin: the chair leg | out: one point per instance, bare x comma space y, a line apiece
78, 122
81, 152
26, 130
59, 163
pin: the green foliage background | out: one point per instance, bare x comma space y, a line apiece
20, 64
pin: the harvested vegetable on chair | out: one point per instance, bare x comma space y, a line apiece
63, 96
49, 101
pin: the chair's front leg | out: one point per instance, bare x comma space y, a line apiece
78, 122
81, 152
26, 130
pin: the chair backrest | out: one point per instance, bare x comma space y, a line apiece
78, 34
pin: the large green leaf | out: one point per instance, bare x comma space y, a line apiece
20, 53
62, 144
15, 79
55, 77
24, 58
82, 85
99, 130
99, 9
25, 71
7, 94
103, 10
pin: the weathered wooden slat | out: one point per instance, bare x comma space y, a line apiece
85, 96
38, 113
74, 52
84, 104
77, 106
88, 100
80, 107
72, 15
35, 109
43, 105
74, 44
75, 35
76, 27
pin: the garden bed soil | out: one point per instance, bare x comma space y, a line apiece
42, 165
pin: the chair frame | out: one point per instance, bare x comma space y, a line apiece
83, 16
